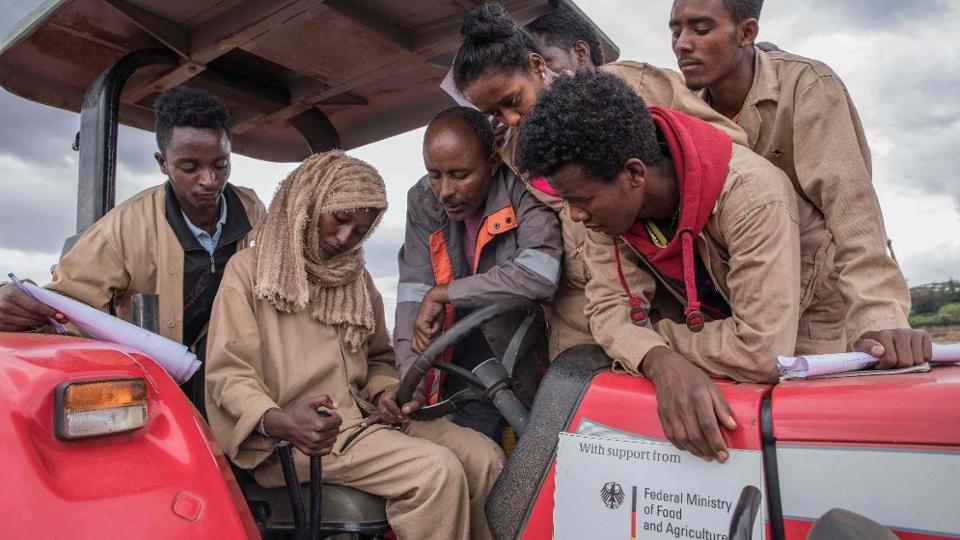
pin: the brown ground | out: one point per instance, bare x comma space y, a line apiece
944, 334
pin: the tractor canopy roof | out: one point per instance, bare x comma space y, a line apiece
351, 71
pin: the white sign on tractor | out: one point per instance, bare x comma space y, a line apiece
614, 488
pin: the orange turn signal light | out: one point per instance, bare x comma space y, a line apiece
96, 408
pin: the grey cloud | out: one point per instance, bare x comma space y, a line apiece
37, 210
876, 14
35, 133
919, 112
135, 150
932, 266
381, 251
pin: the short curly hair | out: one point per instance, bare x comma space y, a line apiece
475, 121
564, 28
188, 107
591, 118
741, 10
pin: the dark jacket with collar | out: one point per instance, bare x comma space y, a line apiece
202, 272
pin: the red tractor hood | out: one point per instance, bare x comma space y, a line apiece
164, 480
883, 409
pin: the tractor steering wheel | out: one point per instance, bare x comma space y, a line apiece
491, 379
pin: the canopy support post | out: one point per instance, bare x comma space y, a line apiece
96, 194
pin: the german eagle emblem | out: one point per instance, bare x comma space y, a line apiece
612, 495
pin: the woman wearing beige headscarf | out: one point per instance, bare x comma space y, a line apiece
298, 326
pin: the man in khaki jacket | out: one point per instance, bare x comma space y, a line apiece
173, 239
704, 278
797, 113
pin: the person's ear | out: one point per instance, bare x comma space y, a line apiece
162, 162
634, 174
748, 30
581, 51
538, 66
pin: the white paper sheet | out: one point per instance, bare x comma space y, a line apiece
814, 365
448, 86
175, 358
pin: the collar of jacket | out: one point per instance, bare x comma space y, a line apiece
766, 81
446, 239
238, 224
765, 87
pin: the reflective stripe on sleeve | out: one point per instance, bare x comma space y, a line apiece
412, 292
540, 263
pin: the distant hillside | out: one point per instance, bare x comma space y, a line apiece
936, 304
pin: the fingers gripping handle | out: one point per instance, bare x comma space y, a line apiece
411, 379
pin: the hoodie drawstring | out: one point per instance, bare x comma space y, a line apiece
637, 314
692, 311
694, 317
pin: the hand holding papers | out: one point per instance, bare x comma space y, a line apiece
55, 324
815, 365
175, 358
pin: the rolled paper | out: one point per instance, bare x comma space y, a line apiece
174, 357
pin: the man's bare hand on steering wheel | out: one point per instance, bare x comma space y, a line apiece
429, 321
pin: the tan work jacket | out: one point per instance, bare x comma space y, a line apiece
799, 116
259, 358
657, 86
133, 249
751, 247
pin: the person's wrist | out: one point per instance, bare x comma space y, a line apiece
653, 363
439, 294
272, 423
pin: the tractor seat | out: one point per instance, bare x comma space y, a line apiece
345, 510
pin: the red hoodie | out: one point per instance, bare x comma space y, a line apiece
700, 155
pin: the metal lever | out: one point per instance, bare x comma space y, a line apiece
301, 525
316, 501
293, 489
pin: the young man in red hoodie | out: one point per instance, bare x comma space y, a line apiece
704, 278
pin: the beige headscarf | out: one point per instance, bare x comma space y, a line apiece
293, 271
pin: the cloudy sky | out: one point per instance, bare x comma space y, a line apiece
900, 60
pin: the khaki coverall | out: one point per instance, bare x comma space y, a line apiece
434, 475
799, 116
751, 247
657, 86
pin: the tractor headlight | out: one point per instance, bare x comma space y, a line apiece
95, 408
